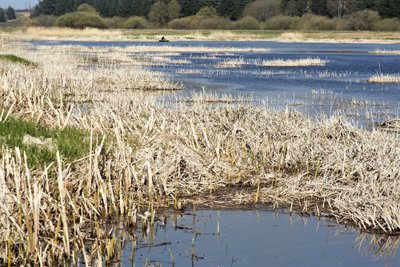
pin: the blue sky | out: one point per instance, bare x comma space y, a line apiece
18, 4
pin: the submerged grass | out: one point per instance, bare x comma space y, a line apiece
40, 143
17, 59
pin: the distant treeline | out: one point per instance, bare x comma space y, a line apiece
8, 14
232, 9
222, 14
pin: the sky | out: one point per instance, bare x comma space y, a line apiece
18, 4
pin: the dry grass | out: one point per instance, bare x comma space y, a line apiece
235, 35
386, 52
153, 155
303, 62
385, 78
231, 63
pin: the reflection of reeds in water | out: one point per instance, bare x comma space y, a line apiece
384, 78
303, 62
381, 246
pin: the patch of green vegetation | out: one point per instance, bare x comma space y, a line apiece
72, 143
17, 59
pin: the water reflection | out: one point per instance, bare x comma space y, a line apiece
256, 238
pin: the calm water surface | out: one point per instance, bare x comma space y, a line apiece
258, 238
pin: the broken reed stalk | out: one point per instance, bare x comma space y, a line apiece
151, 154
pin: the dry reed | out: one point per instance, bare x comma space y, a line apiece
303, 62
385, 78
145, 155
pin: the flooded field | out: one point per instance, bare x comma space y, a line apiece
340, 85
272, 159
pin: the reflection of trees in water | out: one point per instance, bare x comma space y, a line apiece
381, 246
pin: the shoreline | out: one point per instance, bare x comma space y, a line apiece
90, 34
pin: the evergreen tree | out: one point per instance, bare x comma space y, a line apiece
47, 7
389, 8
141, 7
102, 6
232, 9
124, 8
10, 13
63, 6
2, 15
295, 7
319, 7
190, 7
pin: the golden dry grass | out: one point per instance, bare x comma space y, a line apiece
386, 52
152, 156
233, 35
303, 62
385, 78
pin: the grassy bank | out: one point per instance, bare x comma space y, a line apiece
40, 143
183, 155
17, 59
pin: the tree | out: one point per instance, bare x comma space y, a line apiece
2, 15
319, 7
295, 7
47, 7
389, 8
232, 9
10, 13
141, 7
124, 8
102, 6
207, 11
263, 9
86, 8
159, 13
190, 7
173, 9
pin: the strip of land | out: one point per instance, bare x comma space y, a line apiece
216, 35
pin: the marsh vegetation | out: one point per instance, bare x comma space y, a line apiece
120, 152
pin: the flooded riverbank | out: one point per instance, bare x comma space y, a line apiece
339, 86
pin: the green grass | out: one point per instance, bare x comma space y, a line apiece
17, 59
72, 143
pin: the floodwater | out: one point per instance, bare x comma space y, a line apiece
341, 86
265, 238
257, 238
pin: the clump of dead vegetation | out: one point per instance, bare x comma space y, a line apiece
143, 155
302, 62
384, 78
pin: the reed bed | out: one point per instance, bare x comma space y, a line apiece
384, 78
302, 62
143, 156
231, 63
386, 52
